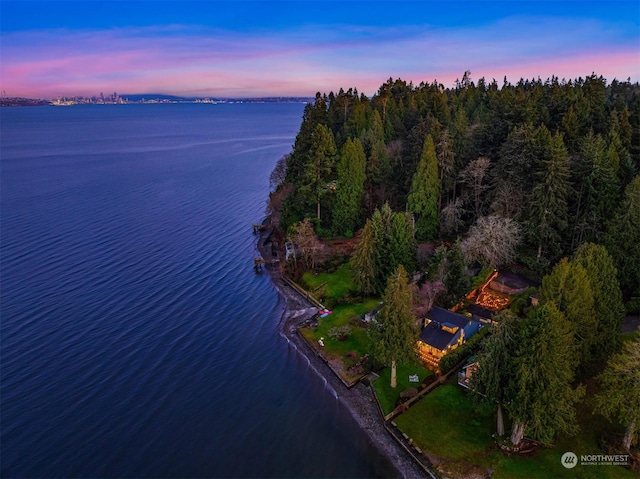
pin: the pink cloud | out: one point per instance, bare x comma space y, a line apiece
180, 60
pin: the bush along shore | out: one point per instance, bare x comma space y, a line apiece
359, 399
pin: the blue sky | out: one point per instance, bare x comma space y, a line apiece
246, 48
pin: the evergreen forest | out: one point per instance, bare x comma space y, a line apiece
523, 173
428, 184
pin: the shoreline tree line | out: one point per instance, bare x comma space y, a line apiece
558, 159
543, 174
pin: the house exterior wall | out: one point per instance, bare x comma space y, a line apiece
430, 355
471, 328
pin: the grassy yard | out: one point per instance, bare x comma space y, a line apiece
329, 285
387, 396
446, 424
357, 340
333, 287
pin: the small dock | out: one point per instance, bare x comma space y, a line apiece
260, 261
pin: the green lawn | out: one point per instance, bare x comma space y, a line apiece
334, 286
387, 396
329, 285
357, 341
447, 424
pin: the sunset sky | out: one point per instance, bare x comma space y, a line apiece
295, 48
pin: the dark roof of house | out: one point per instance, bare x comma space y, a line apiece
480, 311
443, 316
435, 336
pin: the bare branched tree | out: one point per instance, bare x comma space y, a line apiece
492, 240
304, 237
451, 217
279, 173
508, 201
275, 201
425, 296
475, 176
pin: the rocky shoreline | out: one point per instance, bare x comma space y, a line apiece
359, 399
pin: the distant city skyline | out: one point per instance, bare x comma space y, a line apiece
261, 49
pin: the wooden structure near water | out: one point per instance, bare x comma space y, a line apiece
260, 261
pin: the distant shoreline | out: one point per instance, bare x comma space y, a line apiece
359, 399
142, 100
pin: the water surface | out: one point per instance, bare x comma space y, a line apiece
137, 340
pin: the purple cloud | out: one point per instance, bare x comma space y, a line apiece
200, 61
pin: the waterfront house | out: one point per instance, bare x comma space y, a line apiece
443, 332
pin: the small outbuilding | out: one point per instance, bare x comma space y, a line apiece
466, 372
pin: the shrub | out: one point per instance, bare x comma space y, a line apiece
479, 279
340, 333
451, 360
535, 267
522, 302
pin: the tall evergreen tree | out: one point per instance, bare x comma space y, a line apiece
623, 239
571, 129
363, 264
395, 244
394, 333
446, 167
378, 167
382, 220
544, 400
359, 116
456, 281
595, 95
387, 241
569, 288
517, 159
597, 189
318, 171
619, 395
548, 208
314, 114
425, 192
607, 297
460, 138
493, 379
402, 245
349, 187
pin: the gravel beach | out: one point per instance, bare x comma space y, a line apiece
359, 399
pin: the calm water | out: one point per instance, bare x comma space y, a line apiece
137, 340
